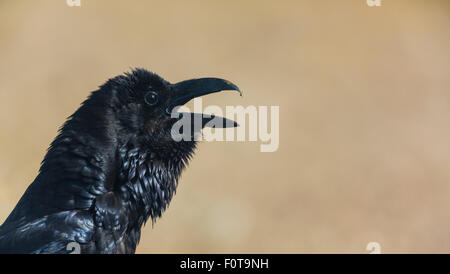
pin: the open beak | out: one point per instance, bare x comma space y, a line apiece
187, 90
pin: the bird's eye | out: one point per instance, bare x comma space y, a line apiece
151, 98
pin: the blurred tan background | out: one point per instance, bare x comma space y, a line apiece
364, 102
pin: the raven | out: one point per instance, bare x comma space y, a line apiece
113, 165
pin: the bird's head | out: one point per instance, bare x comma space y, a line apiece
142, 103
120, 142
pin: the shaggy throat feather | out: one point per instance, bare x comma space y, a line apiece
149, 182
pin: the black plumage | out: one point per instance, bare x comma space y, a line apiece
113, 165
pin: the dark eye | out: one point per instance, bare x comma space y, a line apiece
151, 98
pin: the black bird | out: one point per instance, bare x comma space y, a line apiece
113, 165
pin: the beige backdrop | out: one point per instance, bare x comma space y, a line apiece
364, 114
